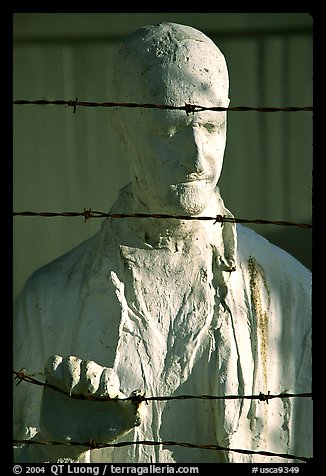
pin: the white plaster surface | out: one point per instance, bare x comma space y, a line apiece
167, 307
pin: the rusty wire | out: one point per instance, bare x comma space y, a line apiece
188, 108
138, 399
92, 445
88, 213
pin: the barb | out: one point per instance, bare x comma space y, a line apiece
188, 108
93, 445
88, 213
21, 376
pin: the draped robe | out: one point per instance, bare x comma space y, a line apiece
225, 313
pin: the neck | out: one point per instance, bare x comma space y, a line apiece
175, 232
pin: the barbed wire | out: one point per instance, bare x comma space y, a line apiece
92, 445
188, 108
88, 213
138, 399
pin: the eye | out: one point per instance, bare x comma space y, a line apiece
212, 127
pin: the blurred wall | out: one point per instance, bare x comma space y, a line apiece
68, 162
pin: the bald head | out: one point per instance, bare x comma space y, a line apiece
176, 159
168, 62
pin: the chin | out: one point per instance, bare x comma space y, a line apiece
188, 200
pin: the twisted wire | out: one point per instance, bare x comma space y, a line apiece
93, 445
88, 213
138, 399
188, 108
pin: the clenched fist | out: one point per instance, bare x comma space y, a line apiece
88, 406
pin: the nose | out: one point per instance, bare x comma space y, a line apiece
193, 156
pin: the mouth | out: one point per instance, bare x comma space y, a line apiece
197, 178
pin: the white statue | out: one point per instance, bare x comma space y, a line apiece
166, 307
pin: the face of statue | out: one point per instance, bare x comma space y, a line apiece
176, 158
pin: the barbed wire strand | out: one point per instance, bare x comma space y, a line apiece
188, 108
138, 399
88, 213
93, 445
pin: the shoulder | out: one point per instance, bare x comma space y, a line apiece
66, 270
275, 261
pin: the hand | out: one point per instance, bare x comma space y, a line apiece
82, 378
88, 407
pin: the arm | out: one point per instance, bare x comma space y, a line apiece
90, 405
81, 403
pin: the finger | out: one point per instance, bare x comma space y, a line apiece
109, 384
53, 370
63, 372
72, 370
90, 373
67, 373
